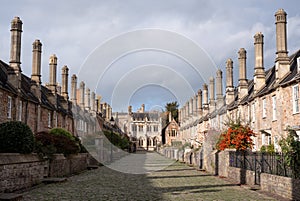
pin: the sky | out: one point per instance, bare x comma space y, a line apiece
140, 51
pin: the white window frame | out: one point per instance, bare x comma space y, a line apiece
264, 108
20, 110
274, 110
295, 99
9, 106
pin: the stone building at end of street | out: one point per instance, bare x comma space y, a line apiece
269, 102
143, 127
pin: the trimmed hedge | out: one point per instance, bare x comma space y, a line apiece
16, 137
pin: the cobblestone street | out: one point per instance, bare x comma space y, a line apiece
176, 182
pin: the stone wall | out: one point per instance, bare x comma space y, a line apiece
241, 176
61, 166
19, 171
283, 186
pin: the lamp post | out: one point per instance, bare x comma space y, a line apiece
111, 134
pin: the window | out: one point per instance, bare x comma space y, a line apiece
155, 128
20, 111
264, 107
140, 128
274, 108
173, 133
9, 105
49, 119
133, 127
295, 99
148, 128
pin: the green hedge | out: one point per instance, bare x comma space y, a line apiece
16, 137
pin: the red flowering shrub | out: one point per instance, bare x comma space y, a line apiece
237, 136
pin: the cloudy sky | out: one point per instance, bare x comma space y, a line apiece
140, 51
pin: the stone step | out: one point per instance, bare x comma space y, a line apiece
10, 196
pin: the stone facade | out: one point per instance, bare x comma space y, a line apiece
143, 127
269, 102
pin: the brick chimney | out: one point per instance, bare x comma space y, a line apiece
229, 82
15, 53
259, 70
282, 66
243, 82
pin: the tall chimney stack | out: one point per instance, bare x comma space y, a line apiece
282, 66
219, 89
259, 71
229, 82
87, 99
81, 89
93, 101
74, 89
15, 52
205, 100
64, 80
52, 73
212, 103
36, 61
243, 83
199, 102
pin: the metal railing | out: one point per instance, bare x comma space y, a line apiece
271, 163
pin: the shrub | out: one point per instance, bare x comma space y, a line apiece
62, 132
236, 136
47, 144
16, 137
